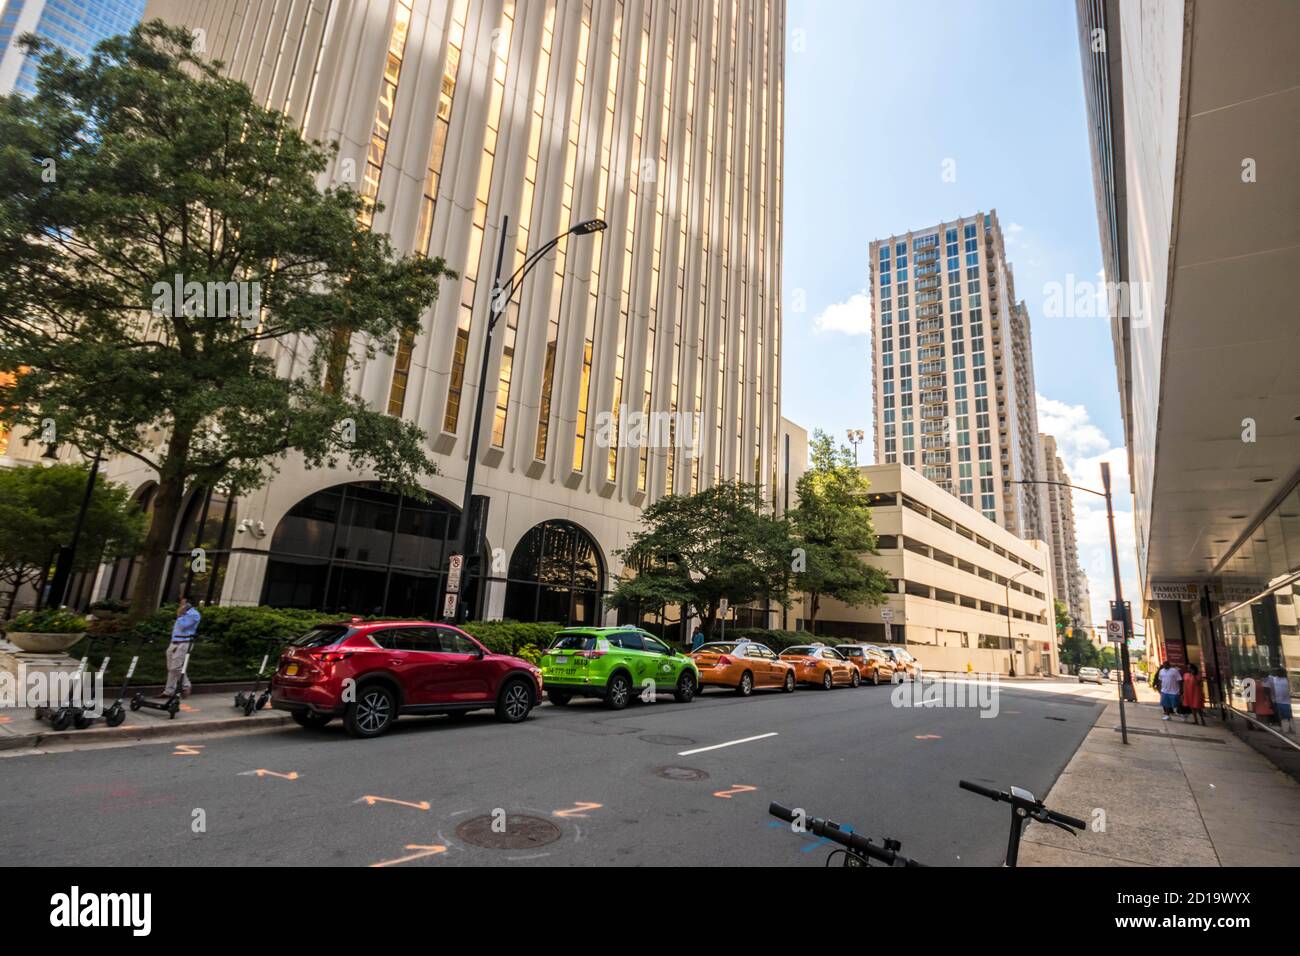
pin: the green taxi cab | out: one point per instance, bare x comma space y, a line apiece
614, 664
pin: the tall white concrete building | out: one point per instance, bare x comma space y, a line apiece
952, 368
662, 117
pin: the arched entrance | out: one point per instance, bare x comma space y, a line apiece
362, 549
556, 574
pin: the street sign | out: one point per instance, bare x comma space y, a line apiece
449, 606
453, 573
1115, 631
723, 605
887, 614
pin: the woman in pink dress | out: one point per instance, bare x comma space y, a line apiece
1193, 700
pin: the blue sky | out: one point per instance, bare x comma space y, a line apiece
879, 96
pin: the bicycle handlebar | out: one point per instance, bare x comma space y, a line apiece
1035, 807
832, 831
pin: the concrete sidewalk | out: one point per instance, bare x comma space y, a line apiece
1178, 795
200, 713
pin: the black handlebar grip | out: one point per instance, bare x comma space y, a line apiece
982, 791
780, 812
1068, 820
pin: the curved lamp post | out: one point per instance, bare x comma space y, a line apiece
499, 300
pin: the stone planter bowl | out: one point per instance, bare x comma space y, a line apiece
42, 643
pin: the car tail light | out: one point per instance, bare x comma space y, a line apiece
723, 661
590, 655
332, 657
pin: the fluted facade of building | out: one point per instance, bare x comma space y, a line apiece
662, 117
953, 374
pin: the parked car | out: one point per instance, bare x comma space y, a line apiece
905, 665
821, 665
1089, 675
398, 667
612, 664
742, 667
872, 663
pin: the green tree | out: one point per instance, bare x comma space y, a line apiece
1074, 645
832, 530
695, 550
38, 511
143, 164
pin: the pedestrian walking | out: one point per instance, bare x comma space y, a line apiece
697, 638
1282, 700
1171, 684
1193, 700
183, 631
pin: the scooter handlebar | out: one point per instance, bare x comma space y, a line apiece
982, 791
852, 841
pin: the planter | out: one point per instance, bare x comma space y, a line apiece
39, 642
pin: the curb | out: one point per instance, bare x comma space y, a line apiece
146, 732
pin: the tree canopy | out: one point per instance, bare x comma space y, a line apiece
174, 280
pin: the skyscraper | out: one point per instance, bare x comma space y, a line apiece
1070, 583
953, 374
74, 25
662, 117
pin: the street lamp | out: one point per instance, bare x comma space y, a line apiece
501, 297
856, 436
1011, 643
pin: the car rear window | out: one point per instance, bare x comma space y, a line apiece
717, 648
804, 651
324, 635
574, 642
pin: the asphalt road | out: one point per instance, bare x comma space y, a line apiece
605, 787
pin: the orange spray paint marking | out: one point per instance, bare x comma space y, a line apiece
425, 851
579, 809
188, 750
291, 775
735, 788
371, 801
6, 720
188, 709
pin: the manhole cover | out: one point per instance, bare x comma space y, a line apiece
667, 740
518, 833
681, 773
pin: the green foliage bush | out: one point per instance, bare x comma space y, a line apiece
49, 621
510, 637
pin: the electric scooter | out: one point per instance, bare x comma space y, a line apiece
72, 713
170, 702
249, 701
115, 713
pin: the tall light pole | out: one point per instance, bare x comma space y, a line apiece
856, 437
500, 299
1126, 692
1011, 643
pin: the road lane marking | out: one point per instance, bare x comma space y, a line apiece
928, 737
371, 801
578, 810
729, 743
735, 788
188, 750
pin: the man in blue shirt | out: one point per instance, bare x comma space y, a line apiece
183, 631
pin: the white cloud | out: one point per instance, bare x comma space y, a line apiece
852, 317
1083, 447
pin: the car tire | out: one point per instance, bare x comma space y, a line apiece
746, 686
788, 686
559, 698
855, 679
618, 692
685, 692
875, 677
515, 702
827, 680
310, 720
372, 713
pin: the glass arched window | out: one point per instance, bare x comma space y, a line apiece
361, 549
556, 574
208, 521
122, 578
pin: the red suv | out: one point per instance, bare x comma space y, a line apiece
369, 672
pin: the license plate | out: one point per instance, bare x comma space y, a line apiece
561, 660
291, 670
561, 671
